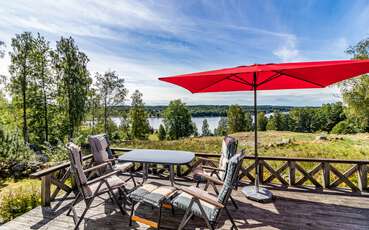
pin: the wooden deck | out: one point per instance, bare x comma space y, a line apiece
290, 210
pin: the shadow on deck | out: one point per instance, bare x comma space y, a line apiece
290, 210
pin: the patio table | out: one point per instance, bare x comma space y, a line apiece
155, 156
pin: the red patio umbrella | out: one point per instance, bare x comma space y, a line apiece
298, 75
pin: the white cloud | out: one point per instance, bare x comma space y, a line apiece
288, 51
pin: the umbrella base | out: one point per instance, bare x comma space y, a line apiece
263, 196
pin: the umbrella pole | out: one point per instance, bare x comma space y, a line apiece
256, 138
254, 192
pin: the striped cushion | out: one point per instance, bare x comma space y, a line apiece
99, 146
139, 193
157, 196
229, 149
182, 201
123, 167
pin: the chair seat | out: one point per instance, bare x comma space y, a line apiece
123, 167
183, 200
152, 193
114, 182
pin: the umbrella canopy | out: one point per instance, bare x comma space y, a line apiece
299, 75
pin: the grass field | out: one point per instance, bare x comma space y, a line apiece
273, 143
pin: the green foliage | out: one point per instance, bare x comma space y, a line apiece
73, 82
275, 122
21, 80
57, 152
221, 130
248, 122
16, 158
262, 121
138, 118
205, 131
344, 127
18, 201
177, 120
355, 91
111, 91
236, 119
161, 132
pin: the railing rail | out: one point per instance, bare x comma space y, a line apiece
319, 174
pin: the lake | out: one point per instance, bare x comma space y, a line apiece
156, 121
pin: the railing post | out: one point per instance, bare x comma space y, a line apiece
45, 190
326, 175
292, 173
261, 171
363, 177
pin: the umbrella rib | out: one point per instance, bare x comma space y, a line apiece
274, 76
240, 79
298, 78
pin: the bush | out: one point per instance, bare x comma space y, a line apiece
17, 201
16, 159
344, 127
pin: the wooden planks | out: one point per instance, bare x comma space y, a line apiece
290, 210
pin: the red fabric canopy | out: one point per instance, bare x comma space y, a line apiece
271, 76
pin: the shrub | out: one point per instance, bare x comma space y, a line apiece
344, 127
16, 159
19, 200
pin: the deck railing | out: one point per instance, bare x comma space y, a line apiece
347, 176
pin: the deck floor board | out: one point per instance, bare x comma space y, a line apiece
290, 210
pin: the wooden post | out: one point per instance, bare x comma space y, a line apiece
292, 173
363, 177
45, 190
261, 171
326, 175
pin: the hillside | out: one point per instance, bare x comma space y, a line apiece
275, 143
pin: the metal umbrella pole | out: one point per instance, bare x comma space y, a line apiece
254, 192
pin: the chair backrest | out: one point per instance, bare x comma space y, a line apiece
229, 149
76, 167
230, 181
100, 148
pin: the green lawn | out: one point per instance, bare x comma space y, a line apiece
301, 144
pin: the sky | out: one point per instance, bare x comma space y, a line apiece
144, 40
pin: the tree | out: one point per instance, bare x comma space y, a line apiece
205, 131
248, 122
112, 92
302, 119
177, 120
262, 121
355, 91
221, 130
138, 118
275, 122
73, 84
236, 119
43, 86
162, 133
20, 70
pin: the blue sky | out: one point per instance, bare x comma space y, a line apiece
143, 40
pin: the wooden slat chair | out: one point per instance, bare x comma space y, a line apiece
100, 149
208, 167
153, 194
89, 189
202, 204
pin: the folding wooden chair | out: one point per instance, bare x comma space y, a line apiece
89, 189
208, 168
200, 203
100, 149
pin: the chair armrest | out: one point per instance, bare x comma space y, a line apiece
212, 168
212, 179
97, 167
201, 197
102, 177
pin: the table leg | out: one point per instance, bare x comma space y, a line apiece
171, 174
146, 172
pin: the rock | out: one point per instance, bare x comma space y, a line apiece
321, 138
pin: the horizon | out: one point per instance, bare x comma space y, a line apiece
146, 40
